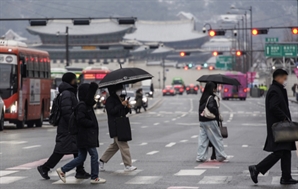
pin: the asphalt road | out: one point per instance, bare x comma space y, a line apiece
164, 149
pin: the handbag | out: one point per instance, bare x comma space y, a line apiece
123, 129
285, 131
206, 113
223, 130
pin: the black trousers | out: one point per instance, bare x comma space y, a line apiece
54, 160
285, 160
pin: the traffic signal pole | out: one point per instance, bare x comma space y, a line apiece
163, 73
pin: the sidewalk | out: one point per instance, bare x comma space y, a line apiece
293, 99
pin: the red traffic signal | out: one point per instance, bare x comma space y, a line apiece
240, 53
259, 31
183, 54
295, 31
213, 33
216, 53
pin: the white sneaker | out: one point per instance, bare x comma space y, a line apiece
101, 166
130, 168
98, 181
61, 174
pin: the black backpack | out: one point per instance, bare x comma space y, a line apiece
72, 123
55, 111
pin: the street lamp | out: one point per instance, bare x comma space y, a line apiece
251, 42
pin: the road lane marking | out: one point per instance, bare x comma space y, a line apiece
254, 124
183, 187
71, 180
225, 145
34, 146
153, 152
122, 172
8, 180
166, 121
188, 124
13, 142
173, 119
170, 144
143, 127
190, 172
244, 146
183, 141
143, 144
156, 124
194, 136
144, 180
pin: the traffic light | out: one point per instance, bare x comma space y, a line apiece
213, 33
295, 31
211, 67
235, 33
183, 54
216, 53
240, 53
259, 31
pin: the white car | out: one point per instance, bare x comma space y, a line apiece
2, 108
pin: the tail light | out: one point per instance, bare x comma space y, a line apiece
226, 90
164, 91
203, 89
187, 88
181, 90
245, 90
172, 91
196, 88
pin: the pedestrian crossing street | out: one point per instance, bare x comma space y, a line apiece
133, 178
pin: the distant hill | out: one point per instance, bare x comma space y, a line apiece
265, 12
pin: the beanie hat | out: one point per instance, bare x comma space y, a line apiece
68, 77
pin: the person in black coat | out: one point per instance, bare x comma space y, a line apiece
65, 143
277, 110
87, 136
116, 107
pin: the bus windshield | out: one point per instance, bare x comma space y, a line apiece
8, 80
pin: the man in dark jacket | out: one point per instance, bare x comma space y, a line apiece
277, 110
65, 143
87, 137
116, 108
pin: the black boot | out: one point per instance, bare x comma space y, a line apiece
43, 172
82, 174
253, 173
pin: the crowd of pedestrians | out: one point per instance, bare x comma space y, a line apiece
85, 140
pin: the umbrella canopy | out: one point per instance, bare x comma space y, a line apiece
124, 76
219, 79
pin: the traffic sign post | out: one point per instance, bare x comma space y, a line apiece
271, 39
280, 50
224, 62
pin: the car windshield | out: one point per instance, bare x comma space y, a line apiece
177, 82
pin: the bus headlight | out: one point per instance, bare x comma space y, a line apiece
14, 107
150, 92
97, 97
133, 102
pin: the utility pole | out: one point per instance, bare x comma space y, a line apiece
163, 73
251, 43
66, 46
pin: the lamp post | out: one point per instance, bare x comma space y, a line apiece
67, 46
251, 42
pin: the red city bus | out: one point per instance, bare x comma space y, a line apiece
93, 74
25, 83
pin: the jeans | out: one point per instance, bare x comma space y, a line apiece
81, 158
209, 131
54, 160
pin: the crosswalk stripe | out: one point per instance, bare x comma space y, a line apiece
71, 180
4, 173
9, 179
190, 172
133, 160
182, 187
216, 180
144, 180
131, 173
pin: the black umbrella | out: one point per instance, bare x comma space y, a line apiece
124, 76
219, 79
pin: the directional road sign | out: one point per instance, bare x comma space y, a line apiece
281, 50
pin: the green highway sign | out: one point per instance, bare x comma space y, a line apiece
271, 39
224, 62
280, 50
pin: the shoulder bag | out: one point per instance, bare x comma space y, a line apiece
206, 113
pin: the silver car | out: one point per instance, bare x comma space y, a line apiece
2, 108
